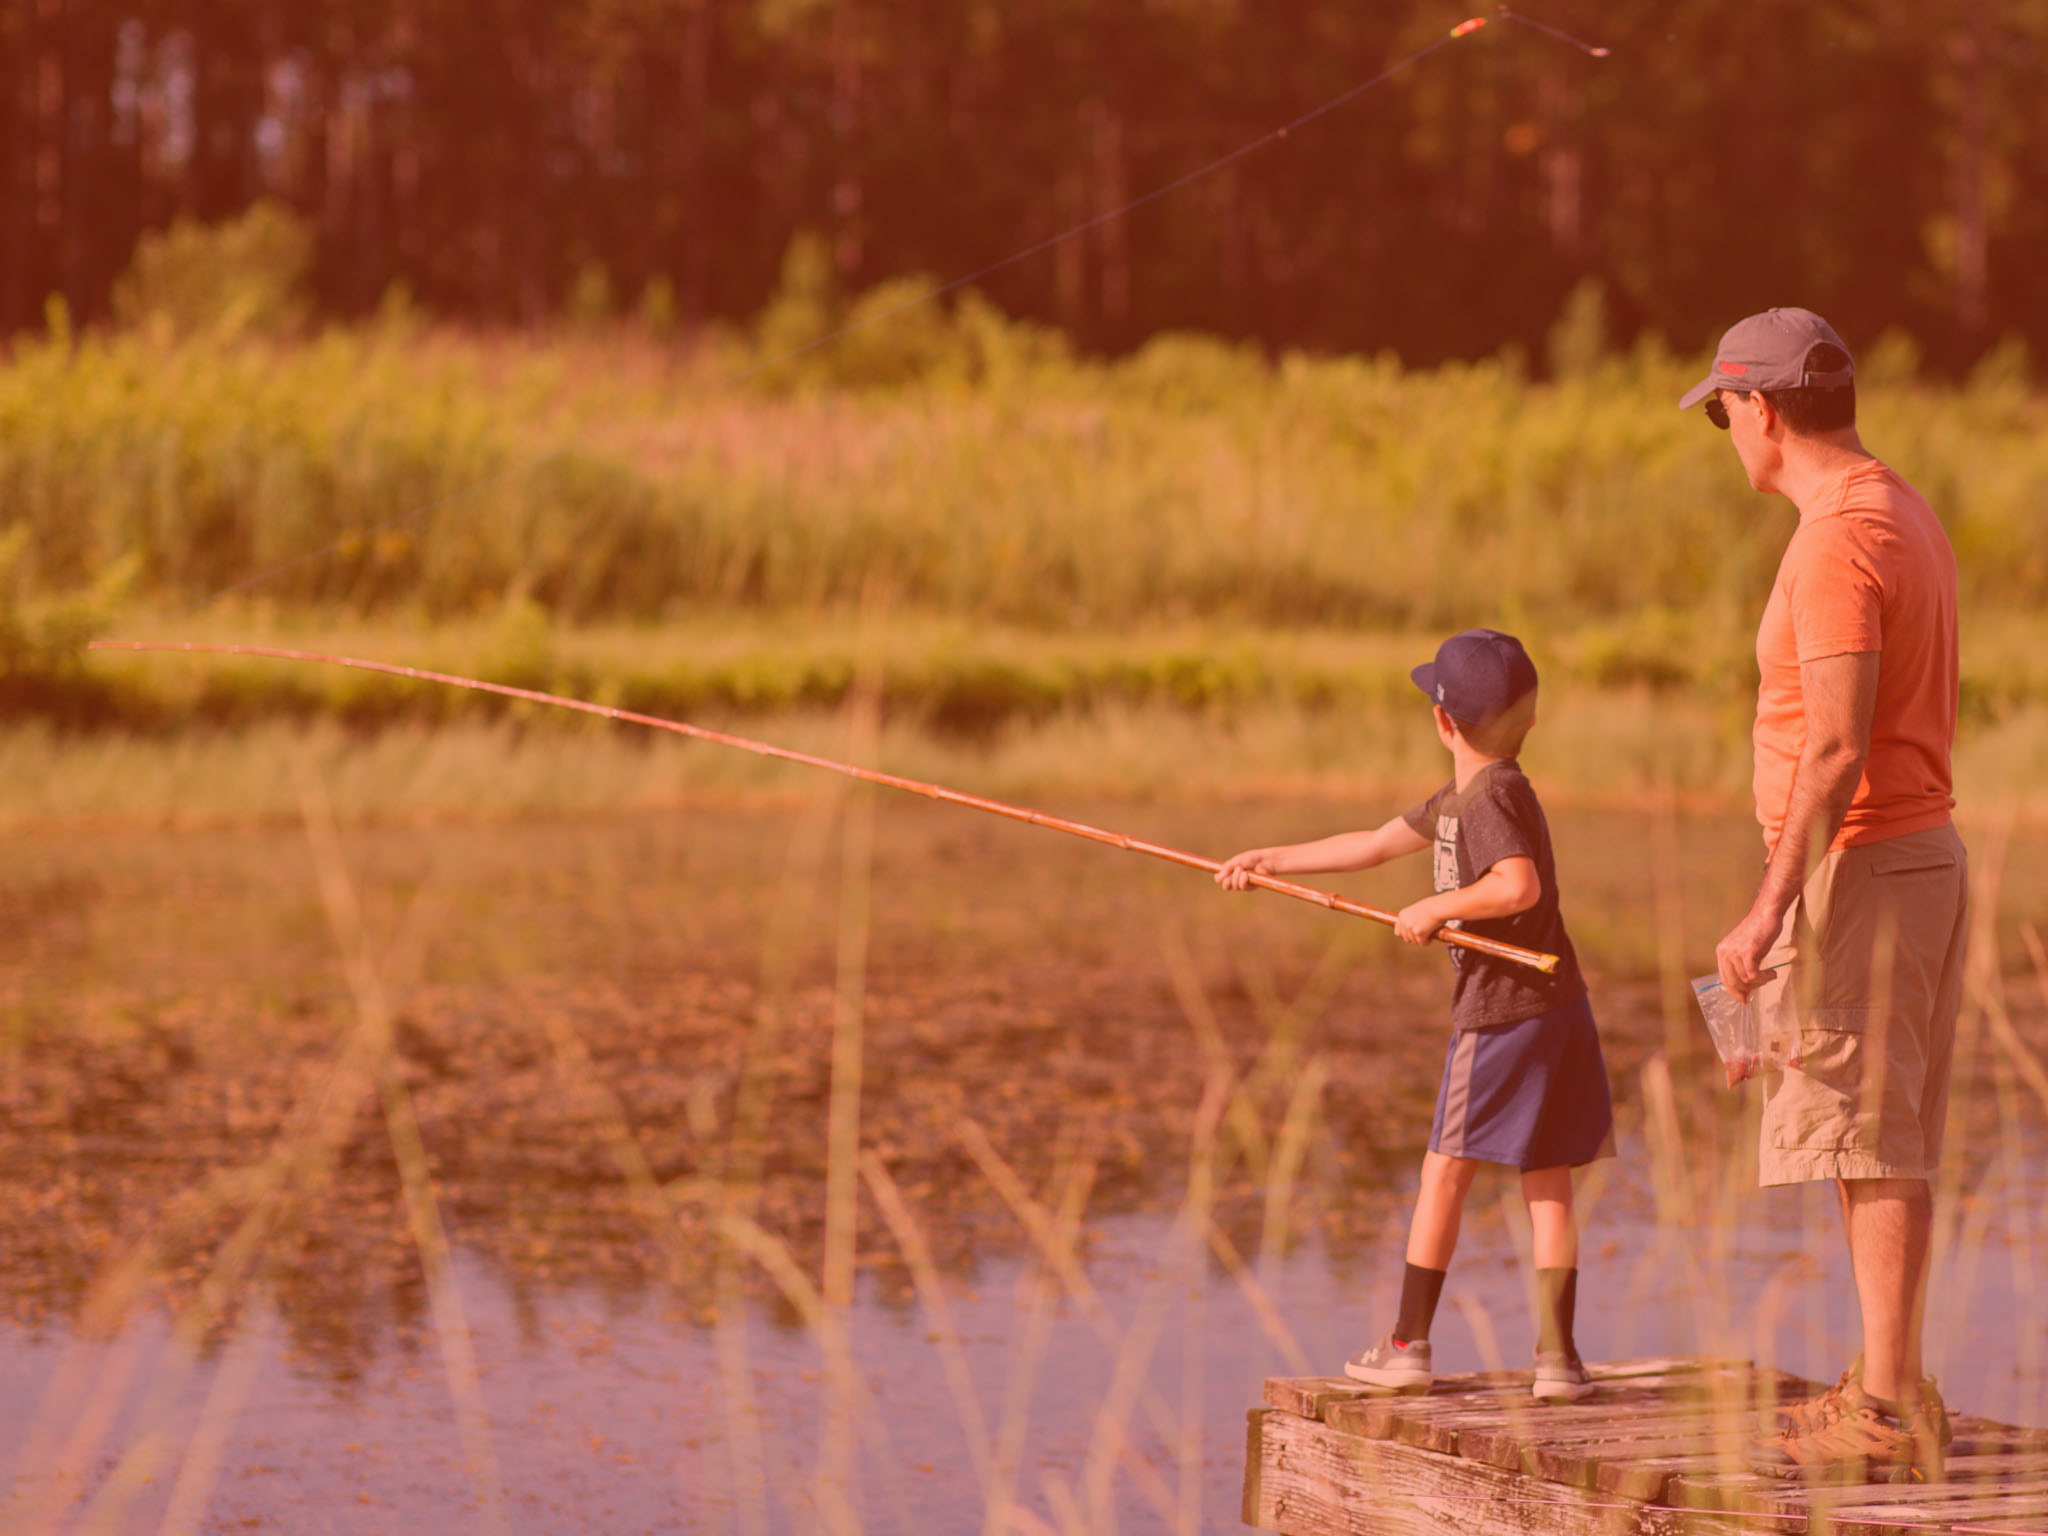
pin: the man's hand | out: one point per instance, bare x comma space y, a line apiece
1238, 868
1418, 922
1740, 956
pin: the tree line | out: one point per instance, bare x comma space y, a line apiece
504, 160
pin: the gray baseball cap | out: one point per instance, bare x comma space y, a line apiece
1768, 351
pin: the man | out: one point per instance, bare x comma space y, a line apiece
1861, 909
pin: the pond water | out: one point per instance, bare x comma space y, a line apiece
175, 1006
608, 1414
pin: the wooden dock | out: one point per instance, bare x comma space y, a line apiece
1657, 1450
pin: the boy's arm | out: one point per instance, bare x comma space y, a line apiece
1329, 855
1510, 886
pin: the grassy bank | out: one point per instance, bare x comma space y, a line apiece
1629, 710
1593, 746
951, 674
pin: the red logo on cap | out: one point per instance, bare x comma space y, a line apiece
1738, 369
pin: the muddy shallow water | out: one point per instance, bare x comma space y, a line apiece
597, 1031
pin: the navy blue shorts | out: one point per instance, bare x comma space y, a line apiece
1531, 1095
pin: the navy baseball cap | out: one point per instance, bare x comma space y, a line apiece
1477, 675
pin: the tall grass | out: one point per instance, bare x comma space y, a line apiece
613, 480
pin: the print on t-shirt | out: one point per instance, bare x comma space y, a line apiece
1444, 874
1496, 816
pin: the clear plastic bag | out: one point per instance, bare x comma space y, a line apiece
1750, 1037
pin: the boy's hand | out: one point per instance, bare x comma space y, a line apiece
1417, 922
1236, 870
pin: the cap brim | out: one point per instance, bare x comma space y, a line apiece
1424, 677
1697, 393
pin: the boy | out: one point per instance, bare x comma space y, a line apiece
1524, 1082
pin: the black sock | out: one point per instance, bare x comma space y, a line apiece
1419, 1290
1557, 1298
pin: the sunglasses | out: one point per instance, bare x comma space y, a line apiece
1717, 412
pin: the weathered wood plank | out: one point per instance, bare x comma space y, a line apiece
1254, 1463
1726, 1493
1520, 1443
2001, 1466
1436, 1423
1309, 1396
1715, 1489
1997, 1439
1849, 1509
1649, 1477
1673, 1421
1365, 1417
1917, 1496
1580, 1465
1647, 1471
1710, 1488
1312, 1480
2021, 1512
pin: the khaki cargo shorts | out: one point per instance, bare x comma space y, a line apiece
1875, 943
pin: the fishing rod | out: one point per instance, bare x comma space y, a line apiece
1485, 946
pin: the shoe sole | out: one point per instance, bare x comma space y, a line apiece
1389, 1381
1563, 1391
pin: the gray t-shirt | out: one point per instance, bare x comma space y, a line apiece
1497, 817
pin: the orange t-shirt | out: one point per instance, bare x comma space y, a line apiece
1868, 569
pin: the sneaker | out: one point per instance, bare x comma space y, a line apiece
1561, 1377
1816, 1412
1935, 1411
1396, 1367
1812, 1414
1859, 1443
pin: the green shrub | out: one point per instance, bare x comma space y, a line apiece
241, 278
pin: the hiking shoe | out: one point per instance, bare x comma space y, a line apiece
1561, 1377
1859, 1443
1935, 1411
1815, 1412
1395, 1367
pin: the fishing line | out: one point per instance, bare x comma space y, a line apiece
1271, 136
1493, 947
1547, 30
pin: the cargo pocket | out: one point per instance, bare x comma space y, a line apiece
1832, 1101
1907, 861
1883, 907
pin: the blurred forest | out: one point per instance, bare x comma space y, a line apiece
515, 161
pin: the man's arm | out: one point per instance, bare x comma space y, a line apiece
1345, 851
1838, 696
